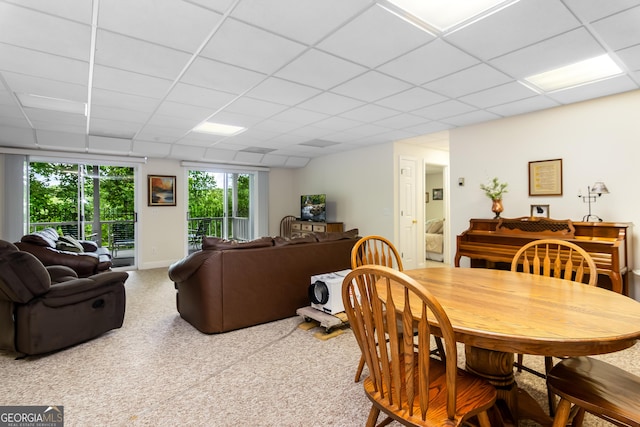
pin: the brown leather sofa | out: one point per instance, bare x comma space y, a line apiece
84, 257
229, 285
44, 309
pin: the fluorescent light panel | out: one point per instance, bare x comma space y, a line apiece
53, 104
579, 73
218, 129
442, 15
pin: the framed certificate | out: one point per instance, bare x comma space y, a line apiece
545, 178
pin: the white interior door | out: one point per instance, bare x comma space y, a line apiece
408, 179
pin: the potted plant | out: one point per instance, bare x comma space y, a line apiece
494, 190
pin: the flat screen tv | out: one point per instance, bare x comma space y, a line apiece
313, 207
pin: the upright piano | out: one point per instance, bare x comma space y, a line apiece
492, 243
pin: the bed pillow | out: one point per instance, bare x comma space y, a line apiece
434, 226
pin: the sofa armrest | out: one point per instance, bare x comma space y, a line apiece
61, 273
181, 270
77, 290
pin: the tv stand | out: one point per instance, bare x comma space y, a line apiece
300, 228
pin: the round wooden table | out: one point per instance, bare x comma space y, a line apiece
497, 313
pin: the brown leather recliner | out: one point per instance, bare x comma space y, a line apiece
43, 309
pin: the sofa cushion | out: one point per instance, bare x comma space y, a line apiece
216, 243
284, 241
337, 235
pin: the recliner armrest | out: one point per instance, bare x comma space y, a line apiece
77, 290
61, 273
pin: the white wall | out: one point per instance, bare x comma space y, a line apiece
435, 208
597, 141
283, 198
359, 187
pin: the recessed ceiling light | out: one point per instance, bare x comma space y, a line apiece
218, 129
54, 104
579, 73
443, 15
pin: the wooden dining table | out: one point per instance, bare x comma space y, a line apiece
497, 313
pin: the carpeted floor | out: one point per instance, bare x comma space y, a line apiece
159, 370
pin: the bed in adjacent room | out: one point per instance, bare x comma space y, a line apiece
434, 242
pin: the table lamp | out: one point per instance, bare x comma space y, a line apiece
593, 192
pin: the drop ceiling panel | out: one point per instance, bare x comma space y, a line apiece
313, 19
370, 113
620, 30
473, 79
113, 128
101, 144
255, 107
523, 106
75, 10
249, 47
39, 31
20, 83
118, 114
514, 27
116, 99
282, 92
411, 99
471, 118
371, 86
444, 109
175, 24
299, 116
126, 53
591, 10
219, 154
18, 137
594, 90
160, 134
567, 48
199, 96
330, 103
129, 82
146, 148
58, 140
429, 62
374, 37
319, 70
631, 57
498, 95
216, 75
26, 61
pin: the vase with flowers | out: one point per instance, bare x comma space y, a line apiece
494, 190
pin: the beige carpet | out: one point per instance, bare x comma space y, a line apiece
158, 370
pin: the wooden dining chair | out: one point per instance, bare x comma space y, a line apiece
557, 258
404, 382
597, 387
285, 225
378, 250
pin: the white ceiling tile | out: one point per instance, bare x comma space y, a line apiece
631, 57
311, 132
75, 10
411, 99
184, 111
523, 106
297, 162
216, 75
55, 117
126, 53
39, 31
370, 113
179, 124
17, 137
217, 5
176, 24
620, 30
255, 107
590, 10
57, 140
401, 121
313, 19
101, 144
467, 81
371, 86
187, 152
277, 126
300, 116
330, 103
121, 100
13, 122
21, 83
118, 114
219, 155
25, 61
471, 118
337, 123
274, 160
429, 62
249, 47
429, 128
152, 149
129, 82
319, 69
514, 27
594, 90
235, 119
11, 111
246, 157
374, 37
113, 128
366, 130
567, 48
498, 95
199, 96
160, 134
61, 126
282, 92
444, 109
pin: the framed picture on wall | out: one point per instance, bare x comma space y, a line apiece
540, 211
545, 178
426, 197
162, 190
438, 194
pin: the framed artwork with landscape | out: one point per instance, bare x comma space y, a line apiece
162, 190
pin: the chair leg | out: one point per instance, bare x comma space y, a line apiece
360, 368
440, 348
519, 363
578, 419
548, 364
562, 413
483, 419
373, 416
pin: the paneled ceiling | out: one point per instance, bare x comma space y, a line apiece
306, 78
